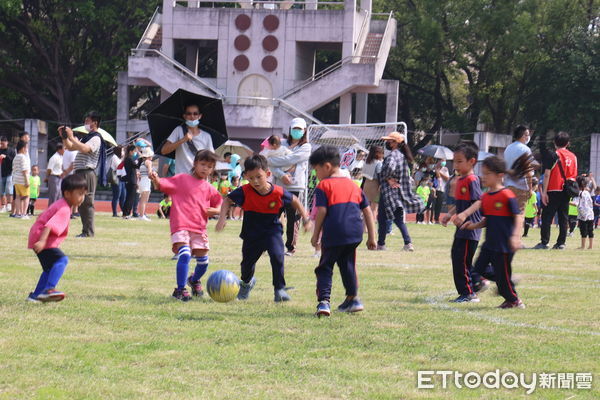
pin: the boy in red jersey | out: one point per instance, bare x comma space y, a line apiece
504, 222
340, 204
262, 231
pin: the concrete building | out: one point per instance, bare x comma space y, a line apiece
259, 57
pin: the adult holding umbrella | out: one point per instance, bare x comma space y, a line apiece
186, 123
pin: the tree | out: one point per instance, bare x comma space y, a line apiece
60, 58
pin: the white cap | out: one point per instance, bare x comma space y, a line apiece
298, 123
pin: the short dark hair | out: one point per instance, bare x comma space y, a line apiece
583, 181
325, 154
256, 162
206, 155
130, 148
226, 155
3, 139
519, 132
468, 148
59, 146
73, 182
23, 134
192, 105
21, 145
94, 116
561, 139
274, 140
495, 164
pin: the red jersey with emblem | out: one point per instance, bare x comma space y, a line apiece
499, 209
344, 201
261, 212
568, 161
467, 192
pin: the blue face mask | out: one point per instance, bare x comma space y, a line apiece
135, 156
297, 133
192, 123
443, 163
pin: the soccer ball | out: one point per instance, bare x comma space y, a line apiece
223, 286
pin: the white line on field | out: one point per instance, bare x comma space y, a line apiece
437, 302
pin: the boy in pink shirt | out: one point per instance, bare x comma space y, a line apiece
48, 232
195, 200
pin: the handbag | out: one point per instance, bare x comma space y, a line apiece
570, 187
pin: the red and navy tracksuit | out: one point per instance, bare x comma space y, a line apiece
342, 233
468, 191
261, 230
494, 261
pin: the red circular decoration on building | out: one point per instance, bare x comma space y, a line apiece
242, 22
269, 63
270, 43
271, 23
241, 63
241, 43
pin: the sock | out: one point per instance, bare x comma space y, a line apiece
41, 285
57, 271
183, 265
201, 267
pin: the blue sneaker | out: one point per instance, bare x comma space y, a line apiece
281, 295
353, 305
245, 289
468, 298
323, 309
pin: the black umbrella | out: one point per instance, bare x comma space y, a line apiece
169, 115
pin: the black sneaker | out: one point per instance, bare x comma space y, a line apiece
351, 306
181, 294
540, 246
558, 247
196, 287
468, 298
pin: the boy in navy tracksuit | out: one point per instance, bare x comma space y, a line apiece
504, 221
340, 204
262, 203
467, 192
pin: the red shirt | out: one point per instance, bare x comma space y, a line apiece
568, 161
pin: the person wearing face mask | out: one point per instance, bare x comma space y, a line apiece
442, 176
294, 180
396, 195
91, 155
187, 139
131, 180
521, 187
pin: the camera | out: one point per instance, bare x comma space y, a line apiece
62, 132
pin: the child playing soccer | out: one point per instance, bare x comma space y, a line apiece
48, 232
504, 222
195, 200
467, 192
262, 231
34, 189
340, 204
585, 208
531, 209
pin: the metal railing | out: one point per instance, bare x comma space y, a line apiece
178, 66
384, 47
273, 101
145, 35
364, 31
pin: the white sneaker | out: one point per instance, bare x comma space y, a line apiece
8, 207
24, 216
145, 218
408, 247
3, 209
317, 254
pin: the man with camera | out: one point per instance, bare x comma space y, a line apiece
91, 154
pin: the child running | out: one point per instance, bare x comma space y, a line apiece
262, 231
195, 200
48, 232
467, 192
504, 222
585, 208
340, 204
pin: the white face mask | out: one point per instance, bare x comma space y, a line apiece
88, 127
528, 139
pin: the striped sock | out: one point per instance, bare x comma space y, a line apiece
183, 265
201, 267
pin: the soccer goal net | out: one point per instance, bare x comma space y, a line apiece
353, 142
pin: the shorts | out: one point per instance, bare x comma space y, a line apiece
586, 228
21, 190
193, 239
48, 257
6, 186
145, 185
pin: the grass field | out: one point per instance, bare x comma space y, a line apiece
119, 334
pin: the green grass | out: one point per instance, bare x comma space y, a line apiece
119, 335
